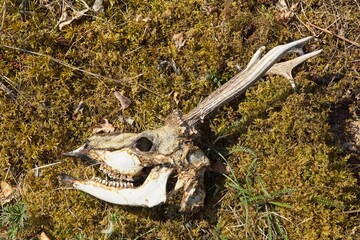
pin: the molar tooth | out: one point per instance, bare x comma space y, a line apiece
129, 185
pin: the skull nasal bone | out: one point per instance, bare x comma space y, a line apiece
144, 144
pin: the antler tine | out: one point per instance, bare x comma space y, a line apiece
240, 82
285, 68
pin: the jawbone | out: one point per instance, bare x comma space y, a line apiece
151, 193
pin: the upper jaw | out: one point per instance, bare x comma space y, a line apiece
123, 161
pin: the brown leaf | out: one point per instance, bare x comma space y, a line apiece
179, 40
7, 193
65, 19
286, 13
124, 101
106, 127
43, 236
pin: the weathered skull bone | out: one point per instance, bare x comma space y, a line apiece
139, 165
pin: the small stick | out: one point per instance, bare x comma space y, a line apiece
338, 36
3, 15
47, 165
8, 91
77, 68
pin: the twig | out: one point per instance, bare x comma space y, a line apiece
3, 14
7, 91
352, 211
336, 35
79, 69
47, 165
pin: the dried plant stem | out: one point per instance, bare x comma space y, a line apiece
336, 35
7, 91
47, 165
79, 69
3, 14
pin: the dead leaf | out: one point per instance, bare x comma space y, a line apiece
43, 236
65, 19
48, 5
127, 120
106, 127
281, 4
286, 13
179, 40
98, 6
124, 101
7, 193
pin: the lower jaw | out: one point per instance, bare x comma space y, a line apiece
152, 192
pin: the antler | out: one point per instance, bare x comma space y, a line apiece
256, 69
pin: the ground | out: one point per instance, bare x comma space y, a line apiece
293, 157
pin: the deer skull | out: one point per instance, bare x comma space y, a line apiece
139, 165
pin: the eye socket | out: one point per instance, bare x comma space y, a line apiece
143, 144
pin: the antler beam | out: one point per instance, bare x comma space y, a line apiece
256, 69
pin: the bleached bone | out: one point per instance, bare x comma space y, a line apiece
151, 193
285, 68
243, 80
170, 148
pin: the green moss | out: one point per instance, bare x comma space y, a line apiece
290, 133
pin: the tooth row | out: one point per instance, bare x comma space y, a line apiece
114, 174
117, 184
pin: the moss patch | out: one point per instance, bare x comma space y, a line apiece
291, 134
